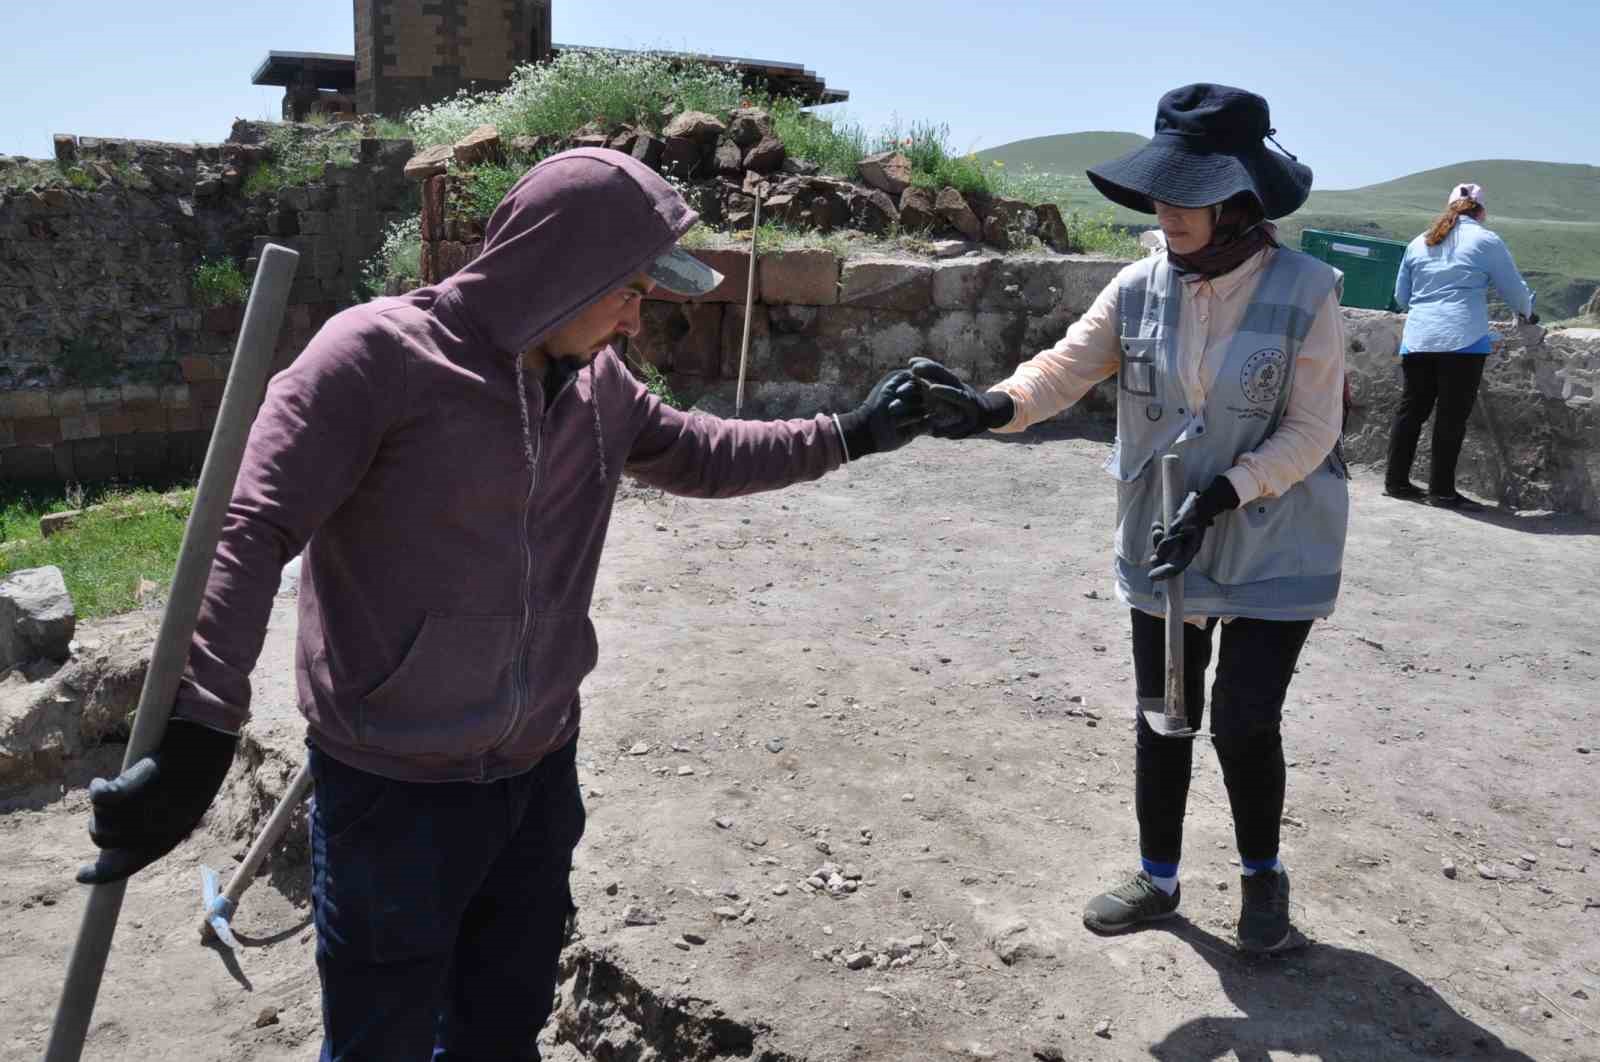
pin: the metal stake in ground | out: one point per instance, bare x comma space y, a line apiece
749, 307
252, 360
219, 907
1168, 715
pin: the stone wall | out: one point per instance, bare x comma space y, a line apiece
110, 367
824, 328
1534, 438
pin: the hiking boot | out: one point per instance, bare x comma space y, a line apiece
1458, 502
1264, 912
1137, 900
1409, 492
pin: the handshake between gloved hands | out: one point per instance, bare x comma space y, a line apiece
927, 397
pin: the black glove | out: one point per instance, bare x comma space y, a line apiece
141, 815
1533, 318
955, 409
891, 416
1175, 547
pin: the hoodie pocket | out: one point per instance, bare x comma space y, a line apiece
564, 651
452, 695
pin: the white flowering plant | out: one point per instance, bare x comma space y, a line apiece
399, 257
579, 86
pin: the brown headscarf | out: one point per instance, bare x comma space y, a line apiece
1240, 231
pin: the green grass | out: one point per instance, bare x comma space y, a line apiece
483, 187
583, 86
578, 87
933, 166
1515, 188
388, 128
655, 381
106, 555
1067, 153
833, 142
837, 145
298, 154
219, 282
22, 175
400, 257
1094, 225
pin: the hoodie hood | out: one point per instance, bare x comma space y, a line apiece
575, 227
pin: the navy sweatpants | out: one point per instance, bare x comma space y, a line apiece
440, 910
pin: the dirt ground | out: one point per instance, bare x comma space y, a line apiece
921, 668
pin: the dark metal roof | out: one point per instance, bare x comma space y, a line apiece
338, 72
330, 71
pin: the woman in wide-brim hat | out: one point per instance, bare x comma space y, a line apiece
1229, 351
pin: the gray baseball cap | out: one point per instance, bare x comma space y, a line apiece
682, 273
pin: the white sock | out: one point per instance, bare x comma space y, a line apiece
1166, 885
1276, 867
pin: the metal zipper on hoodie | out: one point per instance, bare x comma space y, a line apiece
519, 678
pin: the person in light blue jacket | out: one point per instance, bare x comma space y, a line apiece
1444, 281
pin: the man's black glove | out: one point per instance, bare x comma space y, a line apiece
1533, 318
891, 416
141, 815
955, 409
1176, 547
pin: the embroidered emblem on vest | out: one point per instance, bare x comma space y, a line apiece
1263, 376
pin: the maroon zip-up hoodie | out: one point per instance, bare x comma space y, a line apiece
451, 522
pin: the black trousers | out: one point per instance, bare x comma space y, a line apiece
1450, 382
1253, 672
440, 910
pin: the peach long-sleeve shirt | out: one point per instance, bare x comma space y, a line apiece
1212, 310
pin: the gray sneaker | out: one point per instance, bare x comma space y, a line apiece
1136, 900
1264, 912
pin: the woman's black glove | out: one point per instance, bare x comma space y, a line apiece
1176, 547
141, 815
955, 409
891, 416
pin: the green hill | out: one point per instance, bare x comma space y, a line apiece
1545, 211
1534, 191
1067, 153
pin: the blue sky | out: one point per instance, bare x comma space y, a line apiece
1361, 90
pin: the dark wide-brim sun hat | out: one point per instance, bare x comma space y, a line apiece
1209, 146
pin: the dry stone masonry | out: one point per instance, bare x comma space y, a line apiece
110, 366
724, 166
97, 282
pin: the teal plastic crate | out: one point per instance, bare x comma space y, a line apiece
1369, 264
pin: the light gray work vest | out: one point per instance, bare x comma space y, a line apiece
1273, 558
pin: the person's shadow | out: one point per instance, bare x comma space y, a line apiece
1323, 1002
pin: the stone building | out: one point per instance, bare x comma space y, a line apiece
409, 53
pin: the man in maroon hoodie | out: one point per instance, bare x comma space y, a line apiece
448, 460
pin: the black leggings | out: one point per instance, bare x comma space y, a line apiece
1449, 381
1253, 672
